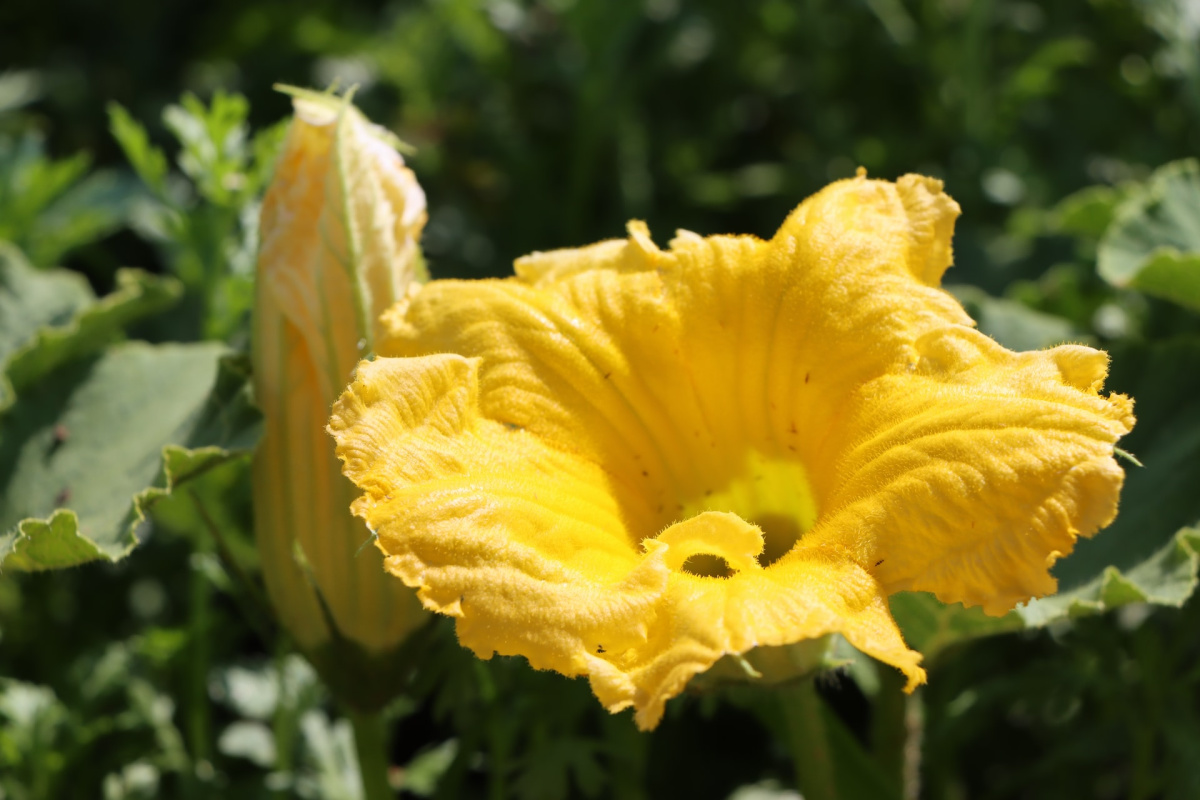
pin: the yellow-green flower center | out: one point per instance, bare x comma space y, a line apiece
770, 492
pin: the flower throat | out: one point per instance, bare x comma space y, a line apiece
772, 493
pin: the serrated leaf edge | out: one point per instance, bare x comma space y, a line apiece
132, 284
197, 462
1114, 588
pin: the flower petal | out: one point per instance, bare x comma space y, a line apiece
970, 475
522, 542
701, 619
531, 434
525, 545
668, 367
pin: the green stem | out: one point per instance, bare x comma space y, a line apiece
629, 750
896, 732
284, 720
808, 741
888, 731
198, 717
498, 751
255, 606
370, 744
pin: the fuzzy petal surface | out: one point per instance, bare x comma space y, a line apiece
545, 457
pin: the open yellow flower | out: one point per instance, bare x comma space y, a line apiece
569, 461
340, 224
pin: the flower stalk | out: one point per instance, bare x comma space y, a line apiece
371, 749
808, 740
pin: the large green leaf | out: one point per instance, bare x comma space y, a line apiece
1150, 553
48, 317
31, 299
1153, 244
1088, 212
85, 451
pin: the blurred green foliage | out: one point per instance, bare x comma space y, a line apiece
143, 133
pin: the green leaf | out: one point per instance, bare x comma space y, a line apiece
930, 625
87, 450
422, 774
551, 767
250, 740
148, 161
98, 205
1089, 212
49, 206
1153, 245
215, 153
50, 317
1166, 578
31, 299
1039, 76
1013, 324
19, 88
329, 756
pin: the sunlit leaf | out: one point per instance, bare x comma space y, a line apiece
85, 451
48, 317
421, 775
1089, 211
1153, 244
1012, 324
250, 740
930, 625
147, 160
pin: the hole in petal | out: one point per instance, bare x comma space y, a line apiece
780, 532
772, 494
707, 565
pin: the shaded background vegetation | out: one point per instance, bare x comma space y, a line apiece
547, 124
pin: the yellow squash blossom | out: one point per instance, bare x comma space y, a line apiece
627, 462
339, 232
